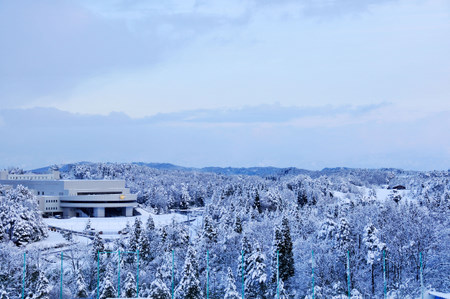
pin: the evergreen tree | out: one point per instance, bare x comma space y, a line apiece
97, 246
150, 224
374, 247
256, 277
230, 291
82, 291
185, 197
257, 203
136, 231
238, 225
144, 246
158, 289
209, 231
246, 249
282, 293
189, 286
277, 243
129, 289
343, 236
302, 199
108, 290
43, 287
286, 252
282, 243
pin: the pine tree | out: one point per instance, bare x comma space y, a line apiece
189, 286
282, 243
277, 243
158, 289
374, 246
150, 224
82, 291
302, 199
238, 225
134, 235
246, 250
286, 253
108, 290
209, 231
129, 289
343, 236
257, 203
144, 246
256, 277
97, 246
43, 288
230, 291
282, 293
185, 197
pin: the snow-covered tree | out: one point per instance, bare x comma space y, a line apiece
256, 277
286, 252
43, 287
209, 230
108, 290
97, 246
189, 286
282, 293
129, 289
150, 224
82, 291
144, 246
374, 247
158, 289
136, 230
238, 224
230, 291
257, 202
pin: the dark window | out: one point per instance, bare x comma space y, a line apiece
99, 193
39, 193
42, 192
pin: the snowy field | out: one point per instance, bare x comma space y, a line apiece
112, 225
109, 226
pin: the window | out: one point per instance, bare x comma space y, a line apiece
42, 192
39, 192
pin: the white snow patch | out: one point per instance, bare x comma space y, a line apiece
112, 225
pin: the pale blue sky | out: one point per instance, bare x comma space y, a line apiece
307, 83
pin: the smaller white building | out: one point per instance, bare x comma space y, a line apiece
76, 198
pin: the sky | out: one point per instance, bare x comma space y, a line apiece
303, 83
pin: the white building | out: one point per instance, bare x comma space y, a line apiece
76, 198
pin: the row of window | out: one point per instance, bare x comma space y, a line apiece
42, 193
29, 178
51, 208
51, 200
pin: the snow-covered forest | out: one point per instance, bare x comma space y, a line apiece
246, 220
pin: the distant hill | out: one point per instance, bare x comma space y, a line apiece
253, 171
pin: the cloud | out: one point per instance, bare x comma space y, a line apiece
43, 136
274, 113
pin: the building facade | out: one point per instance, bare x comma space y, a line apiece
76, 198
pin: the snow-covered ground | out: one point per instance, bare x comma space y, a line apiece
109, 226
55, 240
112, 225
